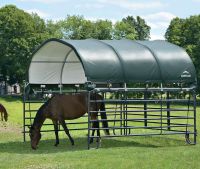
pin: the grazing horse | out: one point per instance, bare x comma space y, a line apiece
4, 114
67, 107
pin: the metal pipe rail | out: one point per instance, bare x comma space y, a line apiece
157, 110
165, 89
110, 120
146, 134
139, 100
72, 129
141, 127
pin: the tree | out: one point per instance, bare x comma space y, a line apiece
184, 32
54, 30
142, 29
102, 29
124, 30
131, 28
76, 27
191, 30
174, 32
20, 33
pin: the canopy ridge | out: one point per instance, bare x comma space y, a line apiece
155, 57
118, 56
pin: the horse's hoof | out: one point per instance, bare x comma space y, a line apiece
56, 144
98, 141
72, 141
91, 141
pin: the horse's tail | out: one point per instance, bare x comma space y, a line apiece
5, 115
104, 118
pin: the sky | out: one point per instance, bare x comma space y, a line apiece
157, 13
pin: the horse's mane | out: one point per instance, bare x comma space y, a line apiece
40, 115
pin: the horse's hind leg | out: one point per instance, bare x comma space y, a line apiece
55, 123
95, 125
66, 131
93, 131
98, 135
1, 116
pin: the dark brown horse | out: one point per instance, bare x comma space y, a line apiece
4, 114
66, 107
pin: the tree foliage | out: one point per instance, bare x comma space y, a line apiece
174, 32
132, 28
124, 30
53, 29
76, 27
102, 30
16, 30
140, 26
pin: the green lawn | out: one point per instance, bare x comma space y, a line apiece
131, 152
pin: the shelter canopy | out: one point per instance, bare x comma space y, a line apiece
110, 61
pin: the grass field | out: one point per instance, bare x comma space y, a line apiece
159, 152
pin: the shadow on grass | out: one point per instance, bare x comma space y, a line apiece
47, 146
12, 98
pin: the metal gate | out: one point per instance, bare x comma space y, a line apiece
32, 104
159, 111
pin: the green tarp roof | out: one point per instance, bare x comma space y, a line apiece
114, 61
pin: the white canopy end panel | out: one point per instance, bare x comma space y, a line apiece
56, 63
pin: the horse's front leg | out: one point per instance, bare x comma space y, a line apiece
66, 130
55, 123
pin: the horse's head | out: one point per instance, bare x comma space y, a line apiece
35, 137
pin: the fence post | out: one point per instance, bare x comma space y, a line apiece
194, 105
89, 117
145, 109
168, 111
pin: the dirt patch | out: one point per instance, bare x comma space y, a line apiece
7, 127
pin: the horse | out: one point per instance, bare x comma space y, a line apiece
4, 114
61, 107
